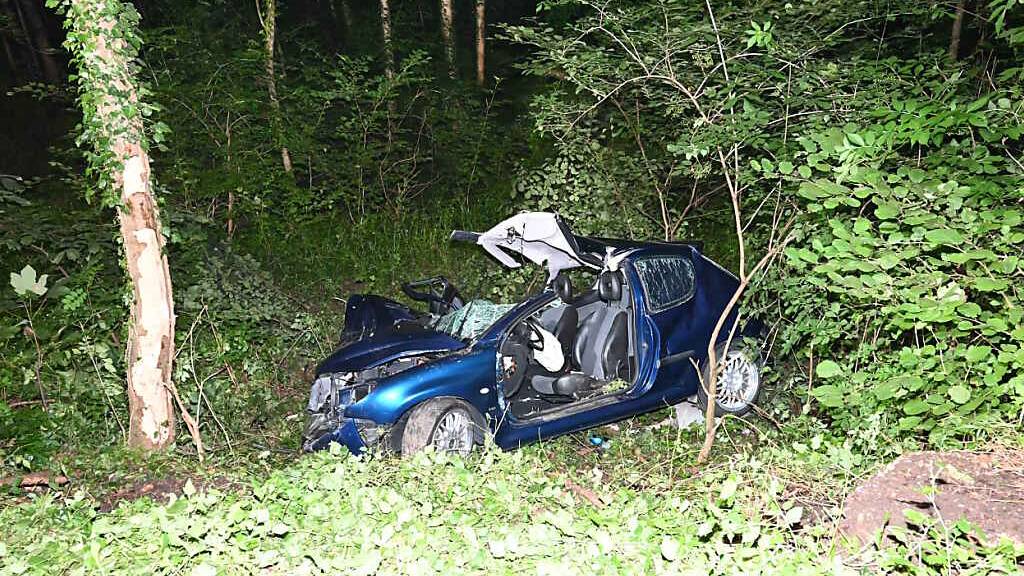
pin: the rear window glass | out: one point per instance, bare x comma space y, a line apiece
667, 281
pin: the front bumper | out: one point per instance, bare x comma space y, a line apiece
347, 435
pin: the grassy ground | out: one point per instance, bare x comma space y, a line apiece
768, 503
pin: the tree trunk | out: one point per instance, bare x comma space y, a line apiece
447, 37
12, 61
269, 21
32, 61
347, 23
385, 32
40, 39
106, 77
481, 32
12, 64
954, 37
151, 342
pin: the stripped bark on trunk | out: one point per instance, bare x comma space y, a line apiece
150, 349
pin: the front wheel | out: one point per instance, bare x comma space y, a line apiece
739, 380
447, 424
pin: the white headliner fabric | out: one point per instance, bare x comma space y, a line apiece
535, 235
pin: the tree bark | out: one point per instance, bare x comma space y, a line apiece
385, 32
40, 40
447, 37
346, 22
11, 62
105, 71
481, 33
954, 37
269, 21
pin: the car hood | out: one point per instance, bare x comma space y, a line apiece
385, 346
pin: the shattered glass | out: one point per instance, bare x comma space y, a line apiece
472, 319
667, 281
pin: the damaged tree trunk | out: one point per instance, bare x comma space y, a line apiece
269, 22
447, 37
151, 341
114, 125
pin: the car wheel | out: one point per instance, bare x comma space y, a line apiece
448, 424
739, 382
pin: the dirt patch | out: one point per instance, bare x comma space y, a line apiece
987, 489
160, 490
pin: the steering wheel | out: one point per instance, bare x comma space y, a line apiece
532, 337
440, 295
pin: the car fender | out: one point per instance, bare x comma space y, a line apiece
469, 376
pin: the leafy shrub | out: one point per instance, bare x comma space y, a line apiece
902, 276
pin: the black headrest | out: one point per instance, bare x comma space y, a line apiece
563, 287
609, 286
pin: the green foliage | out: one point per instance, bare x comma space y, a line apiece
102, 37
900, 181
545, 510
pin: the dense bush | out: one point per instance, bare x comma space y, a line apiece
892, 173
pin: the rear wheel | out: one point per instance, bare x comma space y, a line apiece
739, 380
448, 424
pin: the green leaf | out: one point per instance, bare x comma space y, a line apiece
793, 515
829, 396
915, 407
978, 353
728, 489
959, 394
827, 369
990, 284
670, 549
887, 211
944, 236
786, 167
26, 281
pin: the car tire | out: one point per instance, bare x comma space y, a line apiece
739, 383
449, 424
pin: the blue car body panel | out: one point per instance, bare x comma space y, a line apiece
468, 376
364, 313
347, 435
385, 346
678, 335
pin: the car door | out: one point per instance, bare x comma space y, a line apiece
672, 301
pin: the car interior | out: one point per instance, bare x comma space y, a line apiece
573, 349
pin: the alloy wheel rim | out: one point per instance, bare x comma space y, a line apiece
454, 433
738, 382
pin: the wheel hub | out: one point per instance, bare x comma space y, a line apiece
454, 433
738, 382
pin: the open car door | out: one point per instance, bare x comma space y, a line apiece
540, 237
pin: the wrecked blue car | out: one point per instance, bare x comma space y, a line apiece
632, 340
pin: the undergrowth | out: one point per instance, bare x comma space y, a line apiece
563, 507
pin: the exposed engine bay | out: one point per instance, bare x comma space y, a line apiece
332, 393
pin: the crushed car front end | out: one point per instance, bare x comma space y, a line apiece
333, 393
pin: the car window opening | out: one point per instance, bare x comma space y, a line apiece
572, 350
